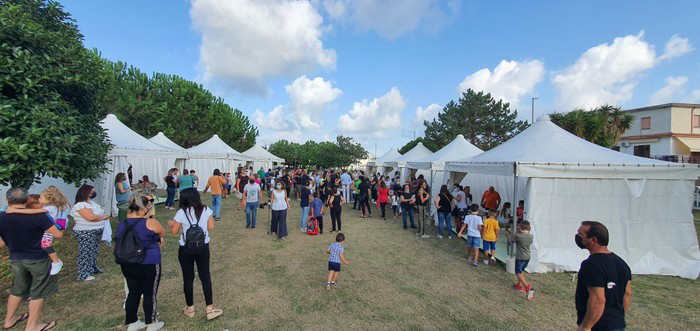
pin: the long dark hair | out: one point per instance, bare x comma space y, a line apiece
83, 193
443, 190
189, 198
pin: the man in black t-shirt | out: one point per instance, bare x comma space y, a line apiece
31, 266
604, 288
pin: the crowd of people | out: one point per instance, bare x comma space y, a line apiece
31, 223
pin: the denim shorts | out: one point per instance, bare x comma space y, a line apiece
520, 266
334, 266
473, 241
489, 245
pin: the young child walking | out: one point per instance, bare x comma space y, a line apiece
523, 239
336, 253
490, 236
474, 226
395, 204
318, 208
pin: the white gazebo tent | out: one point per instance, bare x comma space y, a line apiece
457, 149
163, 140
130, 148
213, 154
377, 166
645, 204
416, 153
262, 158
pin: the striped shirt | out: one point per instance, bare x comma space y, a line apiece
336, 249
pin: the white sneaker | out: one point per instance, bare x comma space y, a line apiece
56, 267
493, 258
89, 278
155, 326
136, 326
486, 262
439, 236
449, 237
425, 236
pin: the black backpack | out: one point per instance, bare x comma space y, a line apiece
128, 248
194, 237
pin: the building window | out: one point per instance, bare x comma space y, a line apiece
696, 121
646, 123
616, 148
642, 150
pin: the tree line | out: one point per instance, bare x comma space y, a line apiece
342, 152
54, 92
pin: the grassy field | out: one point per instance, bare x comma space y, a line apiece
394, 281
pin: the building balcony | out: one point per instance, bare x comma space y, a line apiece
678, 158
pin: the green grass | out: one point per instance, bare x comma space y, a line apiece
394, 281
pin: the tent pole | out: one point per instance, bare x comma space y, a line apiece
513, 207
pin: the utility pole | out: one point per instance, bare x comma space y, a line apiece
533, 111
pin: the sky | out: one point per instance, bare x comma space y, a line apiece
375, 69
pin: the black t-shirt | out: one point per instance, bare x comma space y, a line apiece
170, 181
444, 206
406, 195
362, 188
305, 179
305, 193
22, 234
610, 272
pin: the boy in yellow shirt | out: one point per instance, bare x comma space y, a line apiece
490, 236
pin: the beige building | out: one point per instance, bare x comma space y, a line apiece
669, 132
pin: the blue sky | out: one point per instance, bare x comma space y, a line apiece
373, 69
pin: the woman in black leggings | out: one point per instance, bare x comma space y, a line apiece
335, 201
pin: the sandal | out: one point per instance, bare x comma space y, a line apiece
49, 326
188, 312
213, 313
19, 320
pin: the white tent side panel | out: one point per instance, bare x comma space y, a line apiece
156, 168
204, 168
649, 221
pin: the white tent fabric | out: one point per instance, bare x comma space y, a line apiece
377, 166
457, 149
213, 154
645, 204
262, 158
163, 140
416, 153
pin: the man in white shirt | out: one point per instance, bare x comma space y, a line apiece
346, 182
475, 227
252, 195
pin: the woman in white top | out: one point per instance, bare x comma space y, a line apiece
280, 205
89, 223
193, 213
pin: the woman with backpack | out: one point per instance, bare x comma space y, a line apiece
196, 220
142, 270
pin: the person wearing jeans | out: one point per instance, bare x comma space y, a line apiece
216, 182
408, 199
305, 204
252, 195
191, 212
443, 204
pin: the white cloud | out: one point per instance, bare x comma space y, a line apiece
426, 114
392, 18
276, 119
675, 47
510, 80
308, 99
245, 42
374, 116
606, 73
670, 92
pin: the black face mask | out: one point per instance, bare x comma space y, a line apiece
579, 242
93, 195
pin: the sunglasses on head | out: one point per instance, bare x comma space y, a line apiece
151, 200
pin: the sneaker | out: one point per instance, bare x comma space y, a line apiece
56, 267
328, 286
530, 292
89, 278
425, 236
449, 237
155, 326
252, 227
476, 264
439, 236
518, 288
332, 283
486, 262
493, 258
469, 259
136, 326
247, 226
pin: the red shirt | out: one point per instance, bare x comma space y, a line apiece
383, 195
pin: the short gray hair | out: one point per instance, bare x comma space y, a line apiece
17, 196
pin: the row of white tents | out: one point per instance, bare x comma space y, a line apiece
646, 204
155, 156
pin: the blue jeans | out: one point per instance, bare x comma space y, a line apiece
170, 201
445, 219
304, 216
251, 212
216, 205
407, 212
